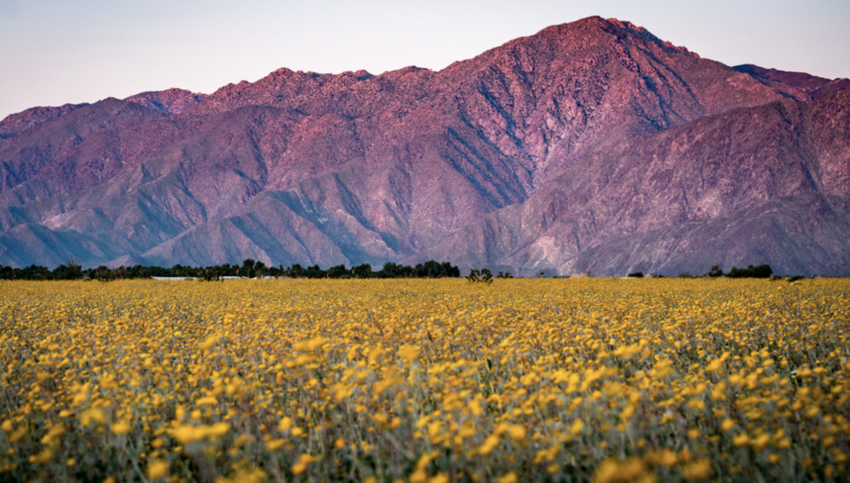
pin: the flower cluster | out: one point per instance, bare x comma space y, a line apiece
425, 380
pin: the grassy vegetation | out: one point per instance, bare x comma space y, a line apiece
425, 380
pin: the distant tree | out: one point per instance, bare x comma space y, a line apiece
314, 272
247, 268
120, 272
338, 271
362, 271
762, 271
759, 271
450, 270
431, 269
211, 274
103, 274
260, 269
71, 270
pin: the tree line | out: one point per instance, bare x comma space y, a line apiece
253, 269
758, 271
249, 269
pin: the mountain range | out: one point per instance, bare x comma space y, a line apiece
589, 146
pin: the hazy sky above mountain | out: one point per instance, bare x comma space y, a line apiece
58, 51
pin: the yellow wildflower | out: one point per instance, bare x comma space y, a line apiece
121, 427
509, 477
304, 460
517, 432
576, 427
699, 469
614, 471
157, 469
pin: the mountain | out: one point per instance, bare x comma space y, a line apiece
324, 169
17, 123
767, 184
808, 84
169, 101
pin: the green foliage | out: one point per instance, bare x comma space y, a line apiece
212, 274
362, 271
760, 271
429, 269
248, 269
480, 276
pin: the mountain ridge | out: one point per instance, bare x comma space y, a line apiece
812, 86
602, 201
351, 168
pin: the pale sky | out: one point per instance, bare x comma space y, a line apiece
58, 51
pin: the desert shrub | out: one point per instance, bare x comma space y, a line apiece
480, 276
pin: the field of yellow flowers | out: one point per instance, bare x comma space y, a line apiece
606, 380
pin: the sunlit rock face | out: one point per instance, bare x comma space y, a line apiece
767, 184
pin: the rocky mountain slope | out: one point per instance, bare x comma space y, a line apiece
17, 123
812, 86
350, 168
169, 101
768, 184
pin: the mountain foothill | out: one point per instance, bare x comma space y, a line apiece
589, 146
